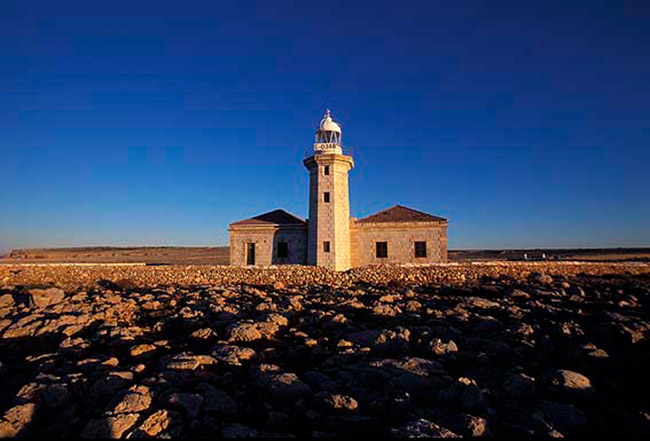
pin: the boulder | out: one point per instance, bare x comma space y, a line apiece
243, 332
288, 386
189, 362
16, 420
156, 423
568, 385
143, 350
7, 301
541, 278
136, 399
520, 386
327, 402
190, 403
44, 297
235, 430
233, 355
216, 400
564, 417
422, 429
466, 425
109, 427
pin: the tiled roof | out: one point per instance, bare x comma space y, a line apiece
278, 217
399, 213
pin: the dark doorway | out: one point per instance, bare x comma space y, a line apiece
283, 250
250, 254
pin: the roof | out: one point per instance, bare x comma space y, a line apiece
275, 217
399, 213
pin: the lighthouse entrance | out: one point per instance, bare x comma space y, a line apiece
250, 254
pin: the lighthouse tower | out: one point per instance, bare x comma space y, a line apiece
328, 238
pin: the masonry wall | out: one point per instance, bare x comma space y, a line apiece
266, 239
401, 238
329, 221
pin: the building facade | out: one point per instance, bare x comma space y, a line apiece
330, 238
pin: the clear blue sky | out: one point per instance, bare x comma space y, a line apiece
526, 124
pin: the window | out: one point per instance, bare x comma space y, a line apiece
382, 249
326, 246
326, 170
326, 196
283, 250
420, 249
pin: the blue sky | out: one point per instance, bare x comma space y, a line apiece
526, 124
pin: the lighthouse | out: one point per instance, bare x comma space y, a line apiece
328, 229
330, 237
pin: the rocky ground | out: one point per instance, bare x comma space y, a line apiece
506, 351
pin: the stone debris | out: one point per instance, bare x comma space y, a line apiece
507, 351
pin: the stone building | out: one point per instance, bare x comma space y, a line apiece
330, 238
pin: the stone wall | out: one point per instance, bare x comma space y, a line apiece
329, 221
401, 238
266, 239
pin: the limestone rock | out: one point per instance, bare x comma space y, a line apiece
16, 419
288, 386
44, 297
422, 429
334, 403
7, 301
190, 403
156, 423
520, 386
233, 355
568, 384
564, 417
110, 427
216, 400
142, 350
136, 399
189, 362
244, 332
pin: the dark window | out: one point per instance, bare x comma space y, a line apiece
326, 247
382, 249
283, 250
326, 170
420, 249
250, 254
327, 196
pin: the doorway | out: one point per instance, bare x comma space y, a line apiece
250, 254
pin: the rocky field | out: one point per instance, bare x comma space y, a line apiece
220, 255
505, 350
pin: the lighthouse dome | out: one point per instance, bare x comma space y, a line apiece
328, 125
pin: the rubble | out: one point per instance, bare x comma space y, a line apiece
507, 352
